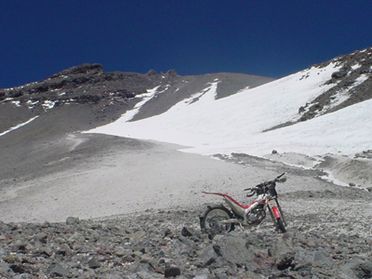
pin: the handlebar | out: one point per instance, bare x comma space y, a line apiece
260, 186
280, 176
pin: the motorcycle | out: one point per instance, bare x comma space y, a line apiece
217, 219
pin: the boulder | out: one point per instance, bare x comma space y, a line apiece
186, 232
56, 269
72, 220
233, 249
94, 263
357, 268
340, 73
283, 252
172, 271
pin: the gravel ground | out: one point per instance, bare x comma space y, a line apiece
326, 238
91, 176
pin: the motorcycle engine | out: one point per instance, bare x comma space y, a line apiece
256, 215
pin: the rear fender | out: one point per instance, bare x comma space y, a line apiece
209, 206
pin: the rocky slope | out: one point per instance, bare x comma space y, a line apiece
352, 83
331, 243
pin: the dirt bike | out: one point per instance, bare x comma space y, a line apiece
218, 219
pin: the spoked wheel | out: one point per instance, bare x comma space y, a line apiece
212, 220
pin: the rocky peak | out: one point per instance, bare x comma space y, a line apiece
85, 69
151, 72
86, 83
171, 73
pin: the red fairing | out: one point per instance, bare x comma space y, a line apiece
229, 198
276, 212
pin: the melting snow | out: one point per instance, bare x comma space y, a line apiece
16, 103
18, 126
209, 91
331, 178
48, 104
359, 80
344, 94
31, 103
338, 99
356, 66
146, 97
243, 89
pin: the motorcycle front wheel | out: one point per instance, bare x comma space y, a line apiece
211, 221
280, 225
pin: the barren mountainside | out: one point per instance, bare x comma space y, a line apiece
213, 113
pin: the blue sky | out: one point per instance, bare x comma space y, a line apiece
270, 38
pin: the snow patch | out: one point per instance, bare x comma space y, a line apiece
356, 66
210, 91
18, 126
146, 97
243, 89
16, 103
31, 103
48, 104
330, 178
359, 80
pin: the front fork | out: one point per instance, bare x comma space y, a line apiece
277, 207
280, 210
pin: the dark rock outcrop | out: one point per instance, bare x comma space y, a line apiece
344, 80
83, 84
81, 69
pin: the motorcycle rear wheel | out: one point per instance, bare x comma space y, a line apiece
210, 221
